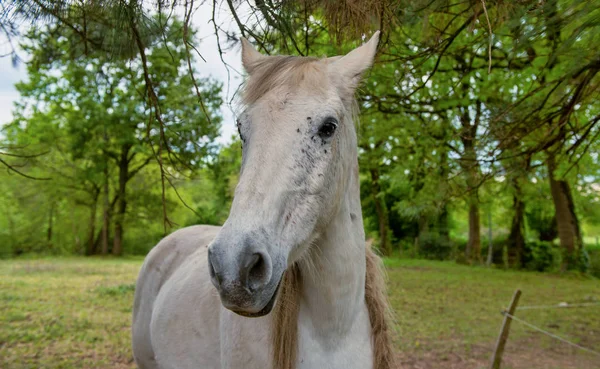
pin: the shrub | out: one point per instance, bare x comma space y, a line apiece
541, 256
499, 243
140, 242
432, 245
594, 257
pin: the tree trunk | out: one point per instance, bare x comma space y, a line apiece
100, 235
422, 236
490, 254
382, 213
50, 224
473, 251
470, 165
516, 238
105, 213
567, 223
75, 230
443, 217
443, 224
90, 249
122, 203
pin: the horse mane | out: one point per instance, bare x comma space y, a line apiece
284, 326
380, 314
284, 329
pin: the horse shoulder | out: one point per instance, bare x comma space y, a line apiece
163, 263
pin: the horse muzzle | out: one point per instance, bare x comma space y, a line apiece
246, 280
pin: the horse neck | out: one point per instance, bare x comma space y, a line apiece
333, 275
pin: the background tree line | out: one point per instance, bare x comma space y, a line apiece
474, 108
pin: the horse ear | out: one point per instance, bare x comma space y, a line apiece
250, 57
352, 65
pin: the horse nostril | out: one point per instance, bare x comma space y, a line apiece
256, 271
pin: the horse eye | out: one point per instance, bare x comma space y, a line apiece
239, 129
328, 127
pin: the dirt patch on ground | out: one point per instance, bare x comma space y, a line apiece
530, 353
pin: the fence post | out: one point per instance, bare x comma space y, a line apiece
503, 337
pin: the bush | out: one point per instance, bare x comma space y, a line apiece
499, 243
541, 256
138, 242
594, 257
431, 245
543, 222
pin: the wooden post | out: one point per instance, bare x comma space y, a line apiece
497, 358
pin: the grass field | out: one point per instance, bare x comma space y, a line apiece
75, 313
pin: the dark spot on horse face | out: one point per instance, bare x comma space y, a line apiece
325, 151
308, 118
298, 130
287, 218
352, 217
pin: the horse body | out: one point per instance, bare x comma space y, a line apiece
179, 322
291, 254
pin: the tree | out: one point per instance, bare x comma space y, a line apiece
469, 104
100, 118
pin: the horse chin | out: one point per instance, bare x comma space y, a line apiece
265, 310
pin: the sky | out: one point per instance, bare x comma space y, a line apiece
214, 67
9, 75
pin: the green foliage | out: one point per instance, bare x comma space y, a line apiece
91, 119
446, 136
542, 256
103, 26
594, 257
543, 223
500, 245
432, 245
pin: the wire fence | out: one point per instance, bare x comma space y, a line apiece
509, 316
551, 334
562, 305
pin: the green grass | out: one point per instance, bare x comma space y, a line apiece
66, 313
75, 313
443, 307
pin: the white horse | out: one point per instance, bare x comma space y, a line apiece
294, 240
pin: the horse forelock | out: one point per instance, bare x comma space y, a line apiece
275, 72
